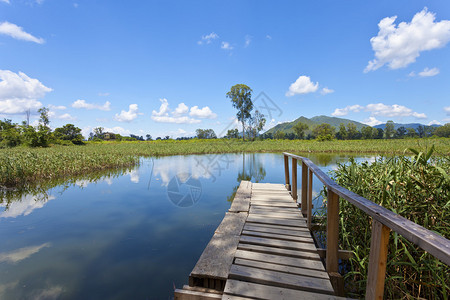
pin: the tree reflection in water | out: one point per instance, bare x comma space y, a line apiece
252, 170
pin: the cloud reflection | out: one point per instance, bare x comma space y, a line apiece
24, 206
20, 254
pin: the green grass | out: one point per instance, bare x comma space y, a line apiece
21, 166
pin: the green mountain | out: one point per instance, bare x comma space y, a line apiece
312, 123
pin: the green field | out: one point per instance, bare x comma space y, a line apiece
22, 165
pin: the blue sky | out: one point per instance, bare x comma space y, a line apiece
164, 67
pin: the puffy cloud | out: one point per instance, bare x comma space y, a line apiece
447, 110
57, 107
128, 116
429, 72
18, 33
380, 109
117, 129
18, 92
66, 116
326, 90
302, 85
226, 46
203, 113
83, 104
434, 122
207, 39
395, 110
339, 112
181, 109
372, 121
399, 46
165, 115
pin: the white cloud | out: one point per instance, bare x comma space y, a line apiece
203, 113
18, 92
399, 46
380, 109
226, 46
83, 104
429, 72
395, 110
207, 39
326, 90
66, 116
163, 109
181, 109
117, 129
130, 115
5, 1
302, 85
162, 116
248, 40
372, 121
268, 37
434, 122
57, 107
177, 120
447, 110
339, 112
18, 33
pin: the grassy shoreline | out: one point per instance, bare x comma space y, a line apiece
21, 166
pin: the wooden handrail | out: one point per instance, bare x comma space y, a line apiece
384, 221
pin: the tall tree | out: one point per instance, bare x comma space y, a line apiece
389, 129
241, 98
257, 123
299, 129
324, 132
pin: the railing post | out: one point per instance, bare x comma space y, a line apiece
377, 260
332, 259
304, 189
286, 172
309, 213
294, 179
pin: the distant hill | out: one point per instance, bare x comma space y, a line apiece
409, 125
312, 123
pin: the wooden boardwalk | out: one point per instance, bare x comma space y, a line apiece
263, 249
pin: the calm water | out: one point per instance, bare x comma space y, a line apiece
134, 234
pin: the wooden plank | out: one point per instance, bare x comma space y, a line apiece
285, 209
217, 257
259, 185
332, 260
265, 220
277, 243
377, 260
278, 251
286, 170
200, 289
279, 236
270, 192
285, 198
295, 213
276, 231
240, 205
195, 295
265, 292
294, 179
280, 279
281, 260
232, 224
288, 205
294, 229
276, 215
281, 268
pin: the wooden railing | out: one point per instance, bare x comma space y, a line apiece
383, 221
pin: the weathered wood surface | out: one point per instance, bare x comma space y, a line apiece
261, 248
435, 244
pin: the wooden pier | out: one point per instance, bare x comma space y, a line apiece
264, 248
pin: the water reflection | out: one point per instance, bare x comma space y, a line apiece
117, 234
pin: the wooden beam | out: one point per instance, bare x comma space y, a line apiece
294, 179
304, 189
342, 254
377, 260
309, 208
332, 232
286, 172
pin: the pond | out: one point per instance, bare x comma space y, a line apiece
128, 234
